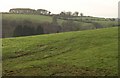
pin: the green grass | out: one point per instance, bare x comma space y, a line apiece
82, 53
35, 18
32, 18
42, 18
108, 23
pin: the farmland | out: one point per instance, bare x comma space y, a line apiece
32, 18
80, 53
12, 21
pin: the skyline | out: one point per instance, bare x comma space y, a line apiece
97, 8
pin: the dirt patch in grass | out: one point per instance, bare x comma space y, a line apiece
67, 70
20, 54
56, 54
58, 70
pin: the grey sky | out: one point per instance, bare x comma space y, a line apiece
99, 8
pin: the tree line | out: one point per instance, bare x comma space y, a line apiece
43, 12
29, 11
62, 15
27, 28
27, 31
14, 28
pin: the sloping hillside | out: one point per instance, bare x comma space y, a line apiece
82, 53
49, 24
32, 18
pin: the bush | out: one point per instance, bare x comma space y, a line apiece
23, 31
39, 30
70, 25
97, 25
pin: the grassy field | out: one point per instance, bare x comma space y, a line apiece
82, 53
43, 18
32, 18
108, 23
35, 18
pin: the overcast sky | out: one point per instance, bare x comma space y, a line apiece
99, 8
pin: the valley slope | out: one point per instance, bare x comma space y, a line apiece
81, 53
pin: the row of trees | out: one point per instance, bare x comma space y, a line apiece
61, 15
29, 11
27, 30
71, 14
47, 28
42, 11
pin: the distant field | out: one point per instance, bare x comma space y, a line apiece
82, 53
35, 18
32, 18
43, 18
11, 21
108, 23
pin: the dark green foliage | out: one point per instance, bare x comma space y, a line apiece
97, 25
52, 24
54, 20
70, 25
23, 31
18, 31
29, 11
28, 31
39, 30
